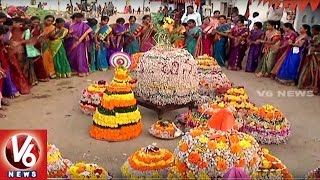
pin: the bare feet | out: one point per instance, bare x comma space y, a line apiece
2, 115
15, 95
259, 74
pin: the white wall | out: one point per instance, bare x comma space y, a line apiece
307, 17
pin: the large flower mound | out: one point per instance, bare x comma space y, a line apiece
56, 165
208, 153
91, 97
149, 162
271, 168
268, 125
82, 170
118, 117
167, 76
212, 79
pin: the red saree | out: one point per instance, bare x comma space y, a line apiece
145, 35
207, 40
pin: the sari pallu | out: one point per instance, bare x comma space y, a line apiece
289, 71
145, 34
46, 52
78, 51
39, 67
254, 51
308, 77
59, 54
102, 53
267, 61
283, 51
207, 40
194, 41
220, 43
32, 54
238, 48
131, 45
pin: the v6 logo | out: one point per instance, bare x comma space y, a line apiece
22, 151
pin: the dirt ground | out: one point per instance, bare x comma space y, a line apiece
55, 106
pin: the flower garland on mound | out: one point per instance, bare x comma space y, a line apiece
209, 152
91, 97
212, 79
117, 118
207, 111
147, 163
271, 168
56, 165
268, 125
313, 175
165, 130
82, 170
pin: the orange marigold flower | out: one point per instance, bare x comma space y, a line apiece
182, 167
212, 145
184, 147
241, 163
194, 158
222, 165
196, 132
234, 139
222, 139
235, 148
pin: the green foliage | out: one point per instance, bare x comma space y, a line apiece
41, 13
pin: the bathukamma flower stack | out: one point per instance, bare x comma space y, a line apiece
167, 76
82, 171
56, 165
118, 117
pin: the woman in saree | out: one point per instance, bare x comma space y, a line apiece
32, 55
271, 44
39, 68
289, 36
310, 72
46, 52
193, 39
131, 45
59, 54
102, 41
221, 40
180, 30
145, 34
289, 70
117, 38
77, 44
16, 73
3, 67
238, 37
207, 37
255, 47
93, 23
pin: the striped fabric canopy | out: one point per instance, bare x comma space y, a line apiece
301, 4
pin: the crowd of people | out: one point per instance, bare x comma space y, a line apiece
33, 52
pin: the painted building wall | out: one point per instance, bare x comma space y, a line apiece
307, 17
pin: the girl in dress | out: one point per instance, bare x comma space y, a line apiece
238, 45
207, 37
102, 41
288, 72
271, 44
255, 47
131, 45
56, 46
310, 71
289, 36
193, 39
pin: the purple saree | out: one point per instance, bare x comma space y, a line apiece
117, 39
254, 51
238, 47
78, 54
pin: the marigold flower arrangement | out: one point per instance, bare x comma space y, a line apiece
82, 170
268, 125
134, 65
209, 154
147, 163
91, 97
165, 130
212, 79
271, 168
56, 165
167, 75
313, 175
117, 118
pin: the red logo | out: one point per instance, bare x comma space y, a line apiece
23, 154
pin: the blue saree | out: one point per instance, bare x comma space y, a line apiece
220, 44
102, 54
131, 46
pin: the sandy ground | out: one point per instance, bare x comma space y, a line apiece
54, 106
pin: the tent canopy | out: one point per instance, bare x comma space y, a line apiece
301, 4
